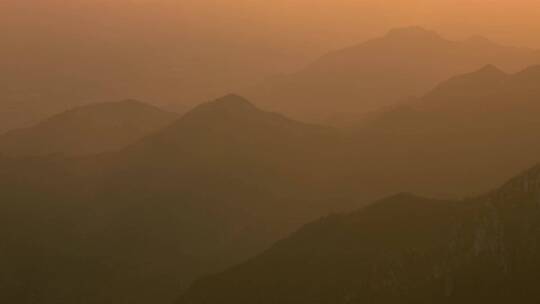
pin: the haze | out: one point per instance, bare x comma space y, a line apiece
196, 50
269, 151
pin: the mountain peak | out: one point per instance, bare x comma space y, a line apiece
486, 74
490, 69
232, 100
88, 129
413, 32
465, 87
227, 104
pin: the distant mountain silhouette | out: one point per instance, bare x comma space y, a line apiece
232, 122
384, 71
227, 179
87, 130
404, 249
469, 132
214, 187
29, 97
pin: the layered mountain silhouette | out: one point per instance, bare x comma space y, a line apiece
406, 62
223, 182
29, 96
469, 132
404, 249
234, 132
135, 225
87, 130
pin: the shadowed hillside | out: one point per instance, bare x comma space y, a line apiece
136, 225
216, 187
350, 164
404, 249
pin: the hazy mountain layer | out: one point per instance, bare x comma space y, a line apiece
222, 183
404, 249
87, 130
464, 136
407, 62
135, 226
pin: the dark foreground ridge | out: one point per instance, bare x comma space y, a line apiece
404, 249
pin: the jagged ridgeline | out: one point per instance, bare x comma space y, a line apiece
404, 249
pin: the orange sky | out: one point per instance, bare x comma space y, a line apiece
338, 21
311, 21
238, 38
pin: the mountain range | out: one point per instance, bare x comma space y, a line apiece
382, 71
225, 180
85, 130
126, 203
210, 189
467, 133
407, 62
403, 249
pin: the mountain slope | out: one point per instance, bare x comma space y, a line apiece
464, 136
380, 72
404, 249
212, 188
87, 130
231, 129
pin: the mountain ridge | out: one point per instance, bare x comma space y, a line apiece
378, 73
89, 129
404, 248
